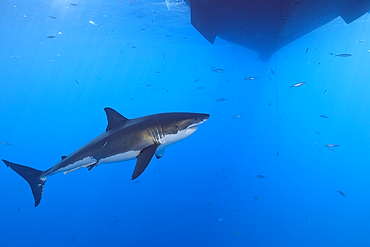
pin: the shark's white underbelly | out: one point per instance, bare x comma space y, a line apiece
89, 160
120, 157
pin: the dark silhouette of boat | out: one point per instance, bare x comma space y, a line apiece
268, 25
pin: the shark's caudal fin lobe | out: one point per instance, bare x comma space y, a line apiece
32, 176
143, 160
114, 118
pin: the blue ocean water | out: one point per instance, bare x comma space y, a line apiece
144, 57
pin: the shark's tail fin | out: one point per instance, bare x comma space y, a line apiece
32, 176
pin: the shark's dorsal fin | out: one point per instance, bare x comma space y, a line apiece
114, 118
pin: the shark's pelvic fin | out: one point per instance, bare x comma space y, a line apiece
89, 167
143, 160
114, 118
32, 176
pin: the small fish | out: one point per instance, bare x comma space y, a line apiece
97, 25
307, 49
18, 209
331, 53
324, 91
133, 46
6, 143
73, 4
332, 145
237, 233
218, 70
230, 185
136, 182
221, 99
52, 17
361, 41
16, 57
237, 116
158, 72
220, 219
323, 116
272, 72
307, 218
340, 192
261, 176
191, 204
317, 132
250, 78
164, 56
51, 36
298, 84
255, 198
343, 55
270, 78
116, 221
73, 239
209, 204
196, 80
77, 82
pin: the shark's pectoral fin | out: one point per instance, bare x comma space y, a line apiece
159, 153
143, 160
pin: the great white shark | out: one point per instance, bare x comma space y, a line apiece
124, 139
